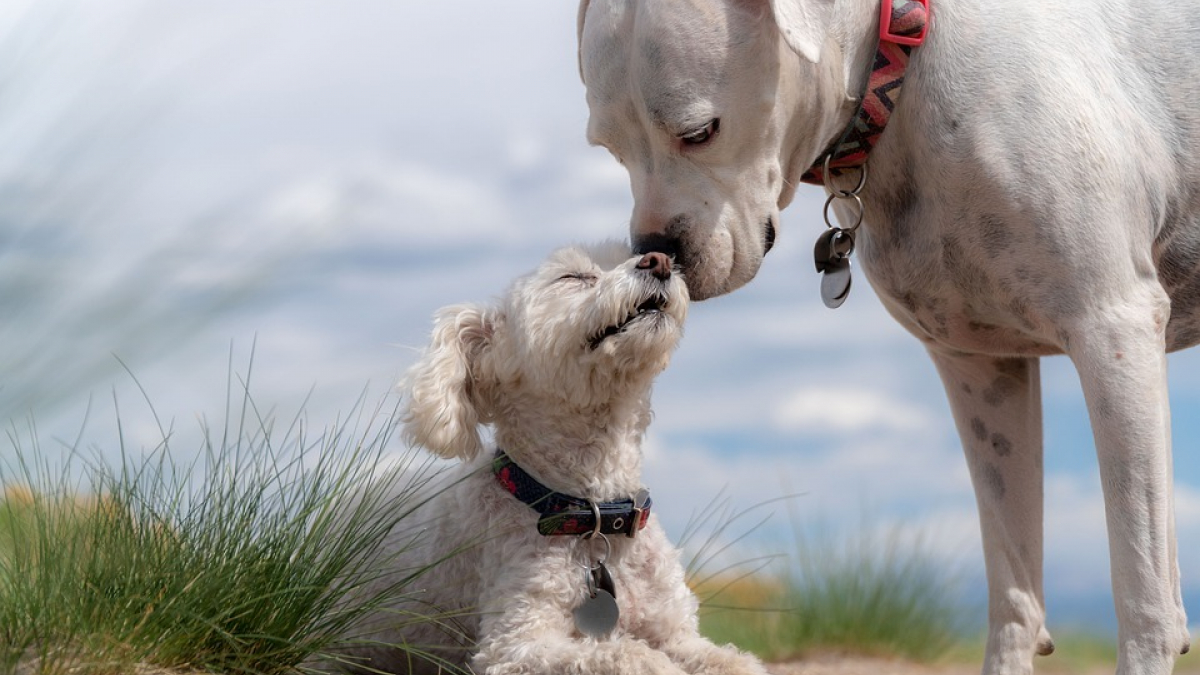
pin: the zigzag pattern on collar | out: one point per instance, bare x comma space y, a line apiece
906, 29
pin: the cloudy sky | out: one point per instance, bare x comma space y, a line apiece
181, 181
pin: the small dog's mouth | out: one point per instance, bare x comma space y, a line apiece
652, 306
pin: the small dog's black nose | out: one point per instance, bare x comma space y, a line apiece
657, 264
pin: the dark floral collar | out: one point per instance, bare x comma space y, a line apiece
567, 515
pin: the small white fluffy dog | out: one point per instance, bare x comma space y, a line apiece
561, 369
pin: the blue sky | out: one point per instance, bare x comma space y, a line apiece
183, 179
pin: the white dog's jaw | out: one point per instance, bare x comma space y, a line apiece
721, 258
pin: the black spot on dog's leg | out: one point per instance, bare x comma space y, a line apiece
1001, 445
994, 480
979, 429
1001, 390
1017, 369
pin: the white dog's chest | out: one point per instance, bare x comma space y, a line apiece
949, 293
1008, 290
944, 318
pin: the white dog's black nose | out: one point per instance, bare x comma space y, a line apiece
657, 264
660, 243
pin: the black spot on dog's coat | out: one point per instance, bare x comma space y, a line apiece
994, 481
979, 429
994, 235
1001, 445
1001, 389
1018, 369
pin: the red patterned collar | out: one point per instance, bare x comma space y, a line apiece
903, 25
565, 514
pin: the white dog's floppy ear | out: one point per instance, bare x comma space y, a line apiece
445, 401
804, 24
583, 7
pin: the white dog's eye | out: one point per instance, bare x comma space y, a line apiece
579, 276
702, 135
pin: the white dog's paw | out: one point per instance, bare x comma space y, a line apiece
701, 657
1045, 643
731, 662
615, 657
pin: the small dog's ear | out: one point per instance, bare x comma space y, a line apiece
444, 398
804, 24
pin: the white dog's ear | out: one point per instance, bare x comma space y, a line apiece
583, 7
446, 399
804, 24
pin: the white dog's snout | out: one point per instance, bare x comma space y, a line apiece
656, 264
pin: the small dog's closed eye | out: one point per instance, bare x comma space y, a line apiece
551, 558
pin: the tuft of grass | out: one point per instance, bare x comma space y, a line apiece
238, 564
867, 592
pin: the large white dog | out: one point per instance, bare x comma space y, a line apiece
1034, 193
546, 557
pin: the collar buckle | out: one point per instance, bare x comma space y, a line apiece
906, 36
637, 515
635, 522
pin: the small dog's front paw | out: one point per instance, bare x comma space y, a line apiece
615, 657
739, 663
704, 658
646, 661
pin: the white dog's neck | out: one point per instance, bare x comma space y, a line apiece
594, 454
855, 33
847, 58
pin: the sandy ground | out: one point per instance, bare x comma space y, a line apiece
862, 665
870, 665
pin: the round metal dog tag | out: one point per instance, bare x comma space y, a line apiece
598, 615
835, 284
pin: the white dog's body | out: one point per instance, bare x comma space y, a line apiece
1035, 193
561, 370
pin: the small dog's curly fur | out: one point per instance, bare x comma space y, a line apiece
561, 369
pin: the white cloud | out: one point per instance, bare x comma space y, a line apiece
422, 206
831, 409
397, 203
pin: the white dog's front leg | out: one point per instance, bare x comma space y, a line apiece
998, 411
526, 653
1121, 359
526, 627
699, 656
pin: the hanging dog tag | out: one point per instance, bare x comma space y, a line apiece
598, 615
832, 258
823, 251
835, 284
